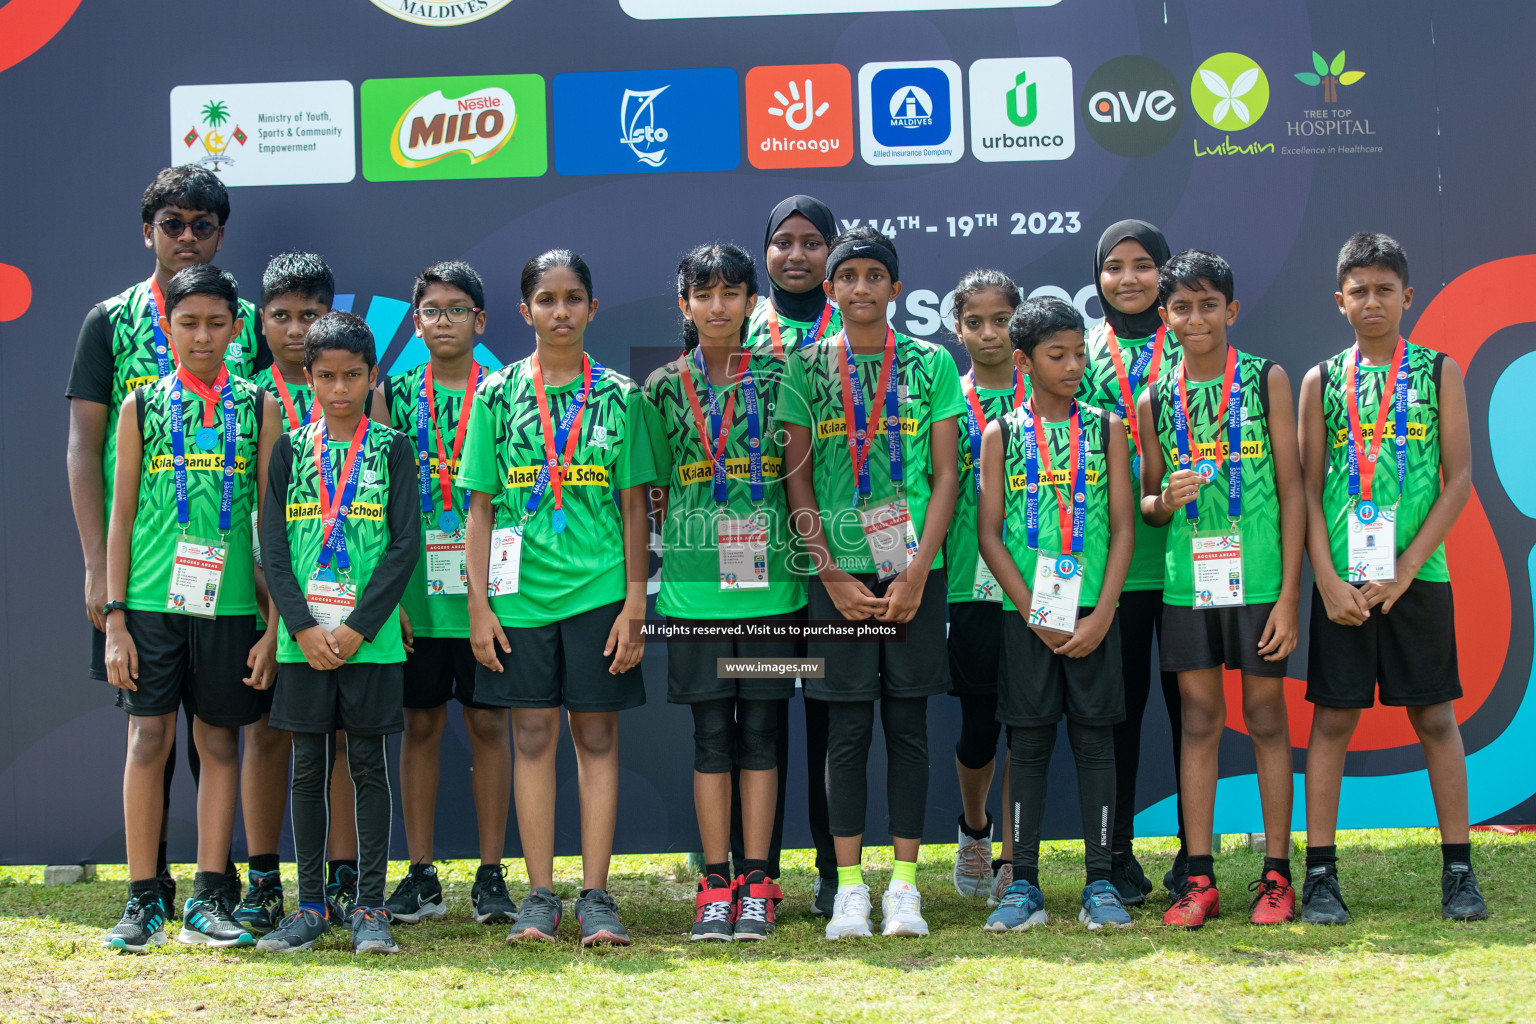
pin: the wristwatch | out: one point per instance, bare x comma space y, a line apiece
113, 606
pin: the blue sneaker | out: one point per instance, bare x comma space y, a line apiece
1102, 907
1022, 907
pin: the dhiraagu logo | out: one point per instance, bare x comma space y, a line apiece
477, 126
1230, 92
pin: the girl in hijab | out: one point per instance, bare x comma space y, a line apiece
1126, 354
796, 311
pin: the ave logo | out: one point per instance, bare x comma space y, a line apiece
1021, 109
1132, 106
471, 126
799, 115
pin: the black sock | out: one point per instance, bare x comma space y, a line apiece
206, 884
746, 867
147, 888
160, 864
1456, 853
230, 868
723, 869
1280, 865
1322, 856
985, 832
332, 866
1203, 864
485, 869
263, 862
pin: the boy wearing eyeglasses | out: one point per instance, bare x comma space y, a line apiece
431, 405
122, 347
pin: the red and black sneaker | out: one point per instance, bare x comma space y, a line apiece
756, 897
1275, 902
716, 910
1197, 902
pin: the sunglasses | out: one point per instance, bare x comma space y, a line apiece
174, 227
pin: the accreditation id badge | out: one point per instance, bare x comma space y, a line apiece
1372, 544
1218, 574
1053, 597
891, 537
256, 536
506, 561
446, 572
743, 547
330, 599
984, 585
197, 572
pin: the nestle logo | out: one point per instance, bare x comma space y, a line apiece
479, 102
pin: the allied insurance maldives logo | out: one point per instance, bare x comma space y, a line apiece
440, 12
477, 126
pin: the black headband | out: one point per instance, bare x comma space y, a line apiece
863, 249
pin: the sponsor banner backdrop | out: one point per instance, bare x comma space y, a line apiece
976, 134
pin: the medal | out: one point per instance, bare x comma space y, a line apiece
1136, 467
1067, 566
558, 520
207, 438
566, 434
448, 522
1367, 511
1207, 469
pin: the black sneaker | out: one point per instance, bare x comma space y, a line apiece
1131, 883
714, 910
598, 916
823, 896
141, 926
206, 922
1321, 901
418, 896
231, 892
540, 919
493, 904
370, 932
1460, 898
262, 906
297, 931
341, 893
167, 883
757, 898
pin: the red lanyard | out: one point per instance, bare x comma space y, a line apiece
330, 505
773, 328
1127, 397
282, 392
975, 399
1351, 396
557, 468
444, 470
1063, 499
717, 452
1221, 412
858, 447
209, 395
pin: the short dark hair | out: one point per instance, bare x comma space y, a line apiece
706, 264
844, 245
535, 269
981, 280
300, 273
1372, 249
1195, 270
346, 332
202, 279
1041, 318
454, 274
190, 187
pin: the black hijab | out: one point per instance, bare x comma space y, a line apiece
802, 306
1130, 325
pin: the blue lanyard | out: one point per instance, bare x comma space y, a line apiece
1079, 508
754, 431
853, 393
179, 453
336, 539
1399, 422
562, 434
162, 346
975, 420
425, 423
1233, 403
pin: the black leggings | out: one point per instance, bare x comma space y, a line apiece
1141, 614
850, 729
314, 756
1093, 750
979, 728
733, 732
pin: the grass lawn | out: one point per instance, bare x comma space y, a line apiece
1395, 961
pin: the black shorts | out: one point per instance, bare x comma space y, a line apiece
186, 659
98, 670
691, 672
1192, 639
441, 667
1409, 652
915, 667
1037, 687
975, 647
561, 665
363, 697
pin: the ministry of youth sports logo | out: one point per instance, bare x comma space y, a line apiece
637, 116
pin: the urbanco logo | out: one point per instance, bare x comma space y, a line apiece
628, 122
468, 126
799, 115
1230, 91
1132, 106
437, 13
911, 112
1021, 109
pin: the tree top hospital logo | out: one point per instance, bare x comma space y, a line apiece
472, 126
440, 12
638, 122
1021, 109
1230, 92
1132, 106
799, 115
911, 113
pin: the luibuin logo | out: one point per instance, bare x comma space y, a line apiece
1230, 92
1329, 75
215, 142
637, 118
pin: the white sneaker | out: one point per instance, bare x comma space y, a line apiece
901, 911
850, 913
973, 866
1000, 883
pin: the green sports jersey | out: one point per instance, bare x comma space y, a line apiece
1260, 525
443, 615
961, 552
1101, 389
1423, 481
366, 526
570, 572
156, 529
299, 393
690, 564
1095, 553
928, 391
792, 333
